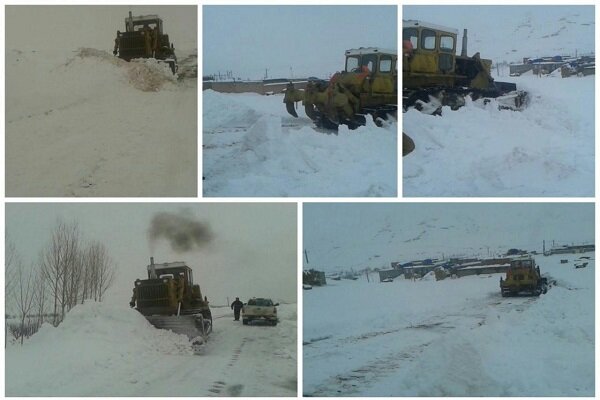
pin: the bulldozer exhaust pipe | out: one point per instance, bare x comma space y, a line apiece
463, 52
152, 269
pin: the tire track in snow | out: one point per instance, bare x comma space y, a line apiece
220, 388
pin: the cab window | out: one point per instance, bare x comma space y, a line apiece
351, 63
369, 61
446, 43
428, 39
385, 63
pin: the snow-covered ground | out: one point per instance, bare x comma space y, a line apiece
253, 147
456, 337
545, 150
84, 123
103, 350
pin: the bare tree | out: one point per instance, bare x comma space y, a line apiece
24, 295
99, 271
61, 267
11, 258
40, 297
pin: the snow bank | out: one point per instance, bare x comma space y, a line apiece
102, 350
456, 337
252, 147
545, 150
95, 346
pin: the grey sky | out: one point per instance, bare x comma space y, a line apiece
356, 235
70, 27
310, 39
253, 252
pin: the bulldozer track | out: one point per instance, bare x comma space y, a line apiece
351, 382
220, 388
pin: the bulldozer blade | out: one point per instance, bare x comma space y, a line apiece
516, 100
193, 326
291, 109
408, 145
310, 110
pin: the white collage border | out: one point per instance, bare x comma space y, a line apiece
298, 200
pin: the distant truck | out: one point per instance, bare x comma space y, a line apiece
260, 308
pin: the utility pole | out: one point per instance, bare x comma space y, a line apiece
306, 255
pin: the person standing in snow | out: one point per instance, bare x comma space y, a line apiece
236, 306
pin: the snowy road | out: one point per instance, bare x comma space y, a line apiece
252, 147
104, 350
84, 123
456, 337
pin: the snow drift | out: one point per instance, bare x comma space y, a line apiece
86, 123
545, 150
252, 147
102, 350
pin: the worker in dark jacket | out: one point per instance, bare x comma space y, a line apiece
236, 306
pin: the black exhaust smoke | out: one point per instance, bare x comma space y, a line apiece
182, 231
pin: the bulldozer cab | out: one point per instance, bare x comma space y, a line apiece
429, 50
371, 60
527, 263
139, 23
379, 65
176, 271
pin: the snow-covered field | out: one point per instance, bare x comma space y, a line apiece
84, 123
545, 150
103, 350
253, 147
456, 337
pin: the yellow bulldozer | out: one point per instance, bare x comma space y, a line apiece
434, 75
170, 300
367, 87
523, 277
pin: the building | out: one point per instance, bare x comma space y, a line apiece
314, 278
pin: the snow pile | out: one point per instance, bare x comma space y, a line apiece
145, 74
252, 147
545, 150
456, 337
81, 124
93, 344
149, 75
102, 350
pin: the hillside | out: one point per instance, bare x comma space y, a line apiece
344, 236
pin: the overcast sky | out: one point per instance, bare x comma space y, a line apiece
253, 252
70, 27
309, 39
357, 235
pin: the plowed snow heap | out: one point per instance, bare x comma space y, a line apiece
170, 300
144, 38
